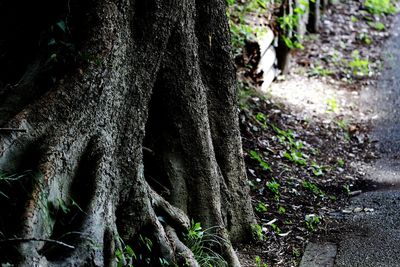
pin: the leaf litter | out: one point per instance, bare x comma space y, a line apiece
305, 153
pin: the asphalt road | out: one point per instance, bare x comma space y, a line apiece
373, 238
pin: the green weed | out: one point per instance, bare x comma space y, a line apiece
296, 157
353, 19
259, 262
275, 228
254, 155
296, 252
380, 7
359, 66
316, 169
320, 71
125, 256
200, 241
332, 105
346, 189
241, 31
274, 186
261, 207
313, 188
312, 221
258, 233
342, 124
146, 242
262, 119
287, 23
379, 26
281, 210
340, 162
365, 38
287, 137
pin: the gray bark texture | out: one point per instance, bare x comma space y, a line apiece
130, 130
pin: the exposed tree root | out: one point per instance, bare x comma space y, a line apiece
8, 130
181, 252
175, 215
18, 240
184, 254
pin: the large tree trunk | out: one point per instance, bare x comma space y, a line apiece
131, 128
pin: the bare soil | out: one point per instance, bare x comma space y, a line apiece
306, 142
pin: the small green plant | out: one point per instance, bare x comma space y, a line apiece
296, 157
60, 44
320, 71
164, 262
359, 66
275, 228
365, 38
281, 210
313, 188
274, 186
288, 222
296, 252
292, 44
259, 262
380, 7
256, 6
254, 155
316, 169
353, 19
346, 136
340, 162
288, 22
379, 26
346, 189
342, 124
63, 206
262, 119
287, 137
315, 151
332, 105
148, 244
125, 255
336, 56
201, 242
258, 233
195, 231
241, 31
312, 221
261, 207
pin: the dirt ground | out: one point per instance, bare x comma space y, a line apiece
307, 142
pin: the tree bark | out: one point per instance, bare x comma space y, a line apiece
315, 17
283, 54
131, 123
